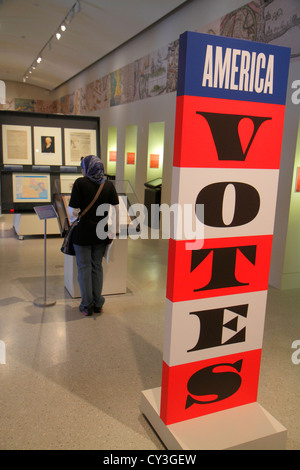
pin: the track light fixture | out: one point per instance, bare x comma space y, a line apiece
76, 8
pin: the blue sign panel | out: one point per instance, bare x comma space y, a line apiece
221, 67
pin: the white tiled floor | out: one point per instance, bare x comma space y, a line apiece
72, 382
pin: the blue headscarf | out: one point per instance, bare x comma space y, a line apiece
93, 168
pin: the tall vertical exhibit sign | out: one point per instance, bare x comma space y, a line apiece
229, 123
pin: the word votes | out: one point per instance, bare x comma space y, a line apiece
238, 70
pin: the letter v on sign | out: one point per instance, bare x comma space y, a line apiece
228, 137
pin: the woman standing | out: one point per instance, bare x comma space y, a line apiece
89, 248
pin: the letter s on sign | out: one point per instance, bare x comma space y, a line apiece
296, 94
296, 354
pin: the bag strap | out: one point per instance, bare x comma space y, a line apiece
93, 201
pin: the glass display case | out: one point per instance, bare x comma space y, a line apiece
114, 267
127, 198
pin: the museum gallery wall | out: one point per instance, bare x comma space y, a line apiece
156, 73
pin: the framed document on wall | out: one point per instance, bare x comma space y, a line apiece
67, 181
47, 146
31, 187
17, 146
79, 143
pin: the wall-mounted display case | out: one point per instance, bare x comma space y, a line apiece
39, 150
115, 271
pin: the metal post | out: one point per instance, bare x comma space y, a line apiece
42, 301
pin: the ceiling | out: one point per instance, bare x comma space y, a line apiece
100, 26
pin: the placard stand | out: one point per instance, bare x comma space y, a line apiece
246, 427
44, 213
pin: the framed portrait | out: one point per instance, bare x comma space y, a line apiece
17, 146
79, 143
31, 187
47, 146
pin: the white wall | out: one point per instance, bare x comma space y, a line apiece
23, 90
285, 263
141, 113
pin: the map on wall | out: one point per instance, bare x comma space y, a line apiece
272, 21
31, 188
269, 21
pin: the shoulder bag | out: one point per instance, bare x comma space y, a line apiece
67, 247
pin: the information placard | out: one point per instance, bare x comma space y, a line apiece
45, 212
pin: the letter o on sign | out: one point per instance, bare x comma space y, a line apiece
242, 201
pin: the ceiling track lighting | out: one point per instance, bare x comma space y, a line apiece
76, 8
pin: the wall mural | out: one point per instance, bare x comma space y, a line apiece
271, 21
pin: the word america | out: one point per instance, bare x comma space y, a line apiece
238, 70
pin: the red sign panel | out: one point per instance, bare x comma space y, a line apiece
199, 388
221, 267
219, 133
